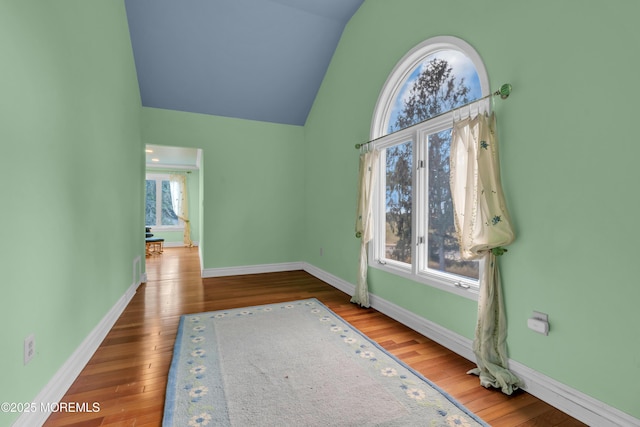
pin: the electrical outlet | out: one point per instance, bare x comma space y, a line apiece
29, 348
539, 322
321, 251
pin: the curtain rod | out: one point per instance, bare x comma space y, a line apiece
504, 92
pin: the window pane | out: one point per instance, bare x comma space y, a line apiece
443, 81
150, 205
169, 217
443, 250
399, 171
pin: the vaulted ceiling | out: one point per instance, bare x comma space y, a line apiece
250, 59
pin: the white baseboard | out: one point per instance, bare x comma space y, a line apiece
69, 371
577, 404
573, 402
177, 244
252, 269
173, 244
585, 408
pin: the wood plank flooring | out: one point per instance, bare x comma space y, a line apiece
127, 375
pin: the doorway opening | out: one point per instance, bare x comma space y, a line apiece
173, 198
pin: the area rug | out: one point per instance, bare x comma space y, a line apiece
295, 364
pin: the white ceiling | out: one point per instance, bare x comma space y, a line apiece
172, 157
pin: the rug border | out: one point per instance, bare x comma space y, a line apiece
170, 396
409, 368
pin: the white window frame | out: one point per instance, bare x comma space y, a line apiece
159, 177
417, 134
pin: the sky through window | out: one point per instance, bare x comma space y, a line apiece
462, 67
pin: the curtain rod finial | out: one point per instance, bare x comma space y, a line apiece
504, 91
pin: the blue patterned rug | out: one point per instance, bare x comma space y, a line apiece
295, 364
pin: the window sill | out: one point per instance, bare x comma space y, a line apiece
435, 281
161, 228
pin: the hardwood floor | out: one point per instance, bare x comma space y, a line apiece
127, 375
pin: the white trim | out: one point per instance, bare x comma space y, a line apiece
573, 402
153, 166
166, 228
437, 333
177, 244
137, 271
441, 282
173, 244
585, 408
158, 177
329, 278
58, 385
198, 158
417, 136
251, 269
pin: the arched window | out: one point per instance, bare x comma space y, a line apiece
411, 127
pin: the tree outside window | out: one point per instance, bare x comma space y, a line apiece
417, 233
158, 208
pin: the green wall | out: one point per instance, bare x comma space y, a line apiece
252, 184
569, 162
69, 113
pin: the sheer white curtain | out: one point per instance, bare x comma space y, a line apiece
179, 202
364, 220
483, 226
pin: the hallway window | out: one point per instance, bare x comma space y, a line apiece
158, 209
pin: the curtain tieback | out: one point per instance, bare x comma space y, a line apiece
498, 251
